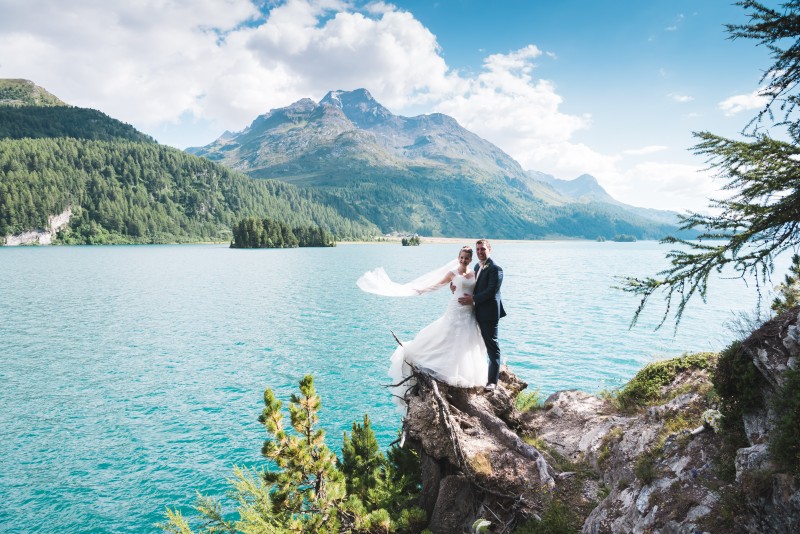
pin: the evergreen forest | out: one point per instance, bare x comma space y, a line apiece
267, 233
122, 187
18, 122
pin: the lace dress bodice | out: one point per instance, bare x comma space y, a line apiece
463, 285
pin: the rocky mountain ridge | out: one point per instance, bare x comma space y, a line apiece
424, 174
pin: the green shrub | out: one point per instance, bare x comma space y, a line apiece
309, 489
412, 520
529, 400
738, 383
784, 446
378, 521
788, 293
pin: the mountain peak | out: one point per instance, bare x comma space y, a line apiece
358, 105
587, 180
341, 98
18, 92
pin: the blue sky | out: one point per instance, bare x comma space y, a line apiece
611, 88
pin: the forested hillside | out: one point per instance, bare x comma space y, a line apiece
17, 122
134, 192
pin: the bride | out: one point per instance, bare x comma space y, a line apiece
451, 348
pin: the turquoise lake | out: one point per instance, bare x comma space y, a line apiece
133, 376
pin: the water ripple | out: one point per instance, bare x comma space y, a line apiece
133, 376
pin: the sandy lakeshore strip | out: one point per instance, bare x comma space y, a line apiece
448, 240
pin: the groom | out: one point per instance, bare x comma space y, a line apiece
488, 306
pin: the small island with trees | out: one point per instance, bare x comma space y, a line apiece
253, 232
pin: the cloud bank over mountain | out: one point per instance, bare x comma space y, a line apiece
185, 70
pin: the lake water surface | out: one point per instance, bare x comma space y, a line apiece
133, 376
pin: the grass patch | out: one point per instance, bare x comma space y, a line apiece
558, 518
557, 460
645, 468
732, 504
613, 437
645, 388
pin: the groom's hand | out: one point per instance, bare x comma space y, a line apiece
466, 299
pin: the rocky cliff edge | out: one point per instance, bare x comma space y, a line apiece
644, 459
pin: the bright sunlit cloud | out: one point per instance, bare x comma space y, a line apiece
655, 184
738, 103
506, 105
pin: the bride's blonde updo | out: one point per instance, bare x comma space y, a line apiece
467, 249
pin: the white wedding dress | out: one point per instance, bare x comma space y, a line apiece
450, 349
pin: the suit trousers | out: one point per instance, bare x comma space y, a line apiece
489, 335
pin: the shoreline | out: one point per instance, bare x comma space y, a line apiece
454, 240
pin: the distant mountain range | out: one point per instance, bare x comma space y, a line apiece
346, 164
423, 174
585, 188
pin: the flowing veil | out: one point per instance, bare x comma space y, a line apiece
378, 282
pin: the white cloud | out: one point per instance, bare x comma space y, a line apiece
506, 105
738, 103
152, 63
144, 63
645, 150
656, 184
680, 98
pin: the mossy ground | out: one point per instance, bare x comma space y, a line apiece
648, 386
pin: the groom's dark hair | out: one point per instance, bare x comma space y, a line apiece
485, 243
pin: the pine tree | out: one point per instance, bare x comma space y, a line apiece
307, 489
789, 291
307, 484
761, 219
363, 464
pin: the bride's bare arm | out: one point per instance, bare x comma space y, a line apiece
444, 281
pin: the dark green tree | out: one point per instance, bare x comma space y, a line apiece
307, 489
362, 461
307, 485
760, 219
789, 291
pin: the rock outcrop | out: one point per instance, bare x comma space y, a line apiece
474, 463
654, 467
41, 236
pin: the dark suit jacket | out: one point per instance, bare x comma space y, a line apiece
488, 305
